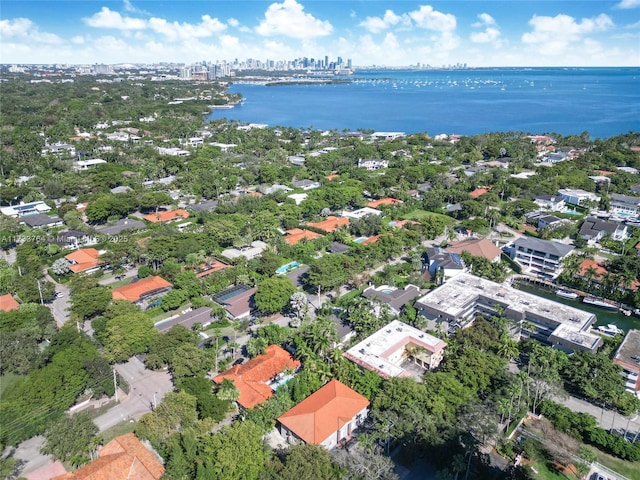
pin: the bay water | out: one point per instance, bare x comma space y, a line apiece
601, 101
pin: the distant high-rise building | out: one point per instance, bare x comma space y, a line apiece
326, 61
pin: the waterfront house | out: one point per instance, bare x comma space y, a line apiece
625, 205
477, 248
628, 357
540, 256
456, 304
594, 229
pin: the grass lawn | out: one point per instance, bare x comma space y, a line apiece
631, 470
544, 472
418, 214
117, 430
7, 380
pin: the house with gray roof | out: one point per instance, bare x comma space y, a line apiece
540, 256
593, 229
396, 298
200, 315
440, 260
40, 220
624, 204
120, 226
204, 206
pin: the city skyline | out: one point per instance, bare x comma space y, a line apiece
542, 33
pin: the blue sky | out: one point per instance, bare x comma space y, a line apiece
391, 33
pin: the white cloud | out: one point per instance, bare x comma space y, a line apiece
289, 19
185, 31
131, 8
78, 40
430, 19
378, 24
24, 28
489, 35
553, 35
15, 28
624, 4
229, 41
485, 20
106, 18
233, 22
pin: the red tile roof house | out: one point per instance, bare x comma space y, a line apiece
166, 216
84, 260
330, 224
384, 201
252, 379
296, 235
123, 458
478, 248
8, 303
327, 417
142, 289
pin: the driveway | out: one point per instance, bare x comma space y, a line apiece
59, 306
112, 278
146, 388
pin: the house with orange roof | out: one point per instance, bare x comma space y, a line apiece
84, 260
332, 177
210, 267
166, 216
330, 224
8, 303
591, 268
478, 192
327, 417
257, 379
296, 235
141, 290
123, 458
478, 248
384, 201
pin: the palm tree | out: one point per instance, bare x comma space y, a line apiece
228, 391
503, 408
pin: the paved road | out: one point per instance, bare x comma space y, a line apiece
607, 419
59, 306
127, 274
143, 386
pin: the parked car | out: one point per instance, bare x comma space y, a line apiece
59, 294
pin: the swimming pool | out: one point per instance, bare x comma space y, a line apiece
360, 239
287, 268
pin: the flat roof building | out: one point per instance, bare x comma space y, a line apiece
386, 350
628, 357
461, 299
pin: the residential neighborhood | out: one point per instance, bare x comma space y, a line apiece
355, 298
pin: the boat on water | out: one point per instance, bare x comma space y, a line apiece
610, 329
599, 302
227, 106
566, 293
